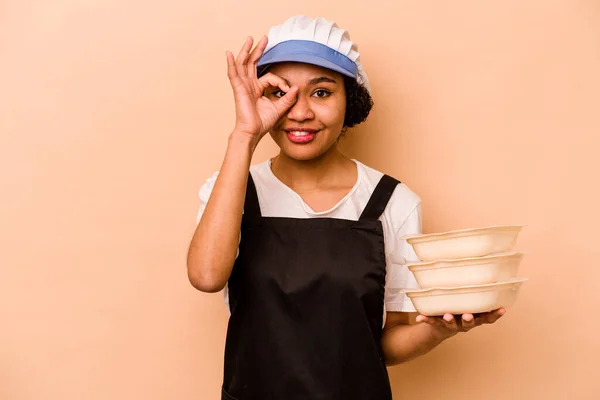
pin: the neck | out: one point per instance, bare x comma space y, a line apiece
310, 174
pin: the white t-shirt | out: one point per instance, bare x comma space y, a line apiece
401, 217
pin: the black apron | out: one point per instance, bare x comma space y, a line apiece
306, 300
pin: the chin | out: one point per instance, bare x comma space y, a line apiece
302, 152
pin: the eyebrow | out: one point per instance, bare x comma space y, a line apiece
315, 81
321, 79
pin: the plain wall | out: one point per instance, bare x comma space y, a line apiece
113, 113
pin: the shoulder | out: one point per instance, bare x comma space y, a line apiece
404, 200
261, 172
258, 172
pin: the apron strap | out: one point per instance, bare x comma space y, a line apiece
251, 205
379, 199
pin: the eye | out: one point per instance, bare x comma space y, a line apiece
321, 93
278, 93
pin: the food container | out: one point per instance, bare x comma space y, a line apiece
466, 271
470, 299
464, 243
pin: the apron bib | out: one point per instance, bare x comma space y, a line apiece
306, 300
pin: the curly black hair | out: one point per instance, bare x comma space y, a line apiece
358, 103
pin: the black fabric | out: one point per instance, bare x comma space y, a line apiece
251, 205
379, 199
306, 299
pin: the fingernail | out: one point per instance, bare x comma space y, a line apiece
447, 318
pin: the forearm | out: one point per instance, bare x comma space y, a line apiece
214, 245
403, 342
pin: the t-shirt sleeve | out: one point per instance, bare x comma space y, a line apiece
204, 195
398, 275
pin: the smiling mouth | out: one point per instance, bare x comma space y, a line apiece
301, 137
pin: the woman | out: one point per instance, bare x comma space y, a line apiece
308, 244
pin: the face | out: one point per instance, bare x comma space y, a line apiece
313, 124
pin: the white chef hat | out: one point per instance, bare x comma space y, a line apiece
314, 41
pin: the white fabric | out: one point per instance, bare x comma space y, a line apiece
401, 217
320, 30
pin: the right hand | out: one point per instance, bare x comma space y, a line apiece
255, 113
447, 325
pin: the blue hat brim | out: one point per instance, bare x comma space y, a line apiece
310, 53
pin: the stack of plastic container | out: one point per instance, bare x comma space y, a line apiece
466, 271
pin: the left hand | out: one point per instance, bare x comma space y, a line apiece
448, 326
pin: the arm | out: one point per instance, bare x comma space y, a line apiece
214, 245
403, 342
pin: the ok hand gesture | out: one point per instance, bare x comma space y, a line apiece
255, 113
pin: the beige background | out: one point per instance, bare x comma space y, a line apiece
113, 113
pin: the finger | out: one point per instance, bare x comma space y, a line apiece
421, 318
258, 50
284, 103
256, 55
494, 316
231, 69
450, 322
242, 57
270, 79
468, 322
433, 321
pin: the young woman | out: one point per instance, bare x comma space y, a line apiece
307, 245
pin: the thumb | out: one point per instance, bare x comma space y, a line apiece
284, 103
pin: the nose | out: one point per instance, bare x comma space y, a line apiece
301, 110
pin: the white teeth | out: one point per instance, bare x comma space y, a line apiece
297, 133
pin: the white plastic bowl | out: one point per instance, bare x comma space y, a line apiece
465, 299
465, 243
466, 271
